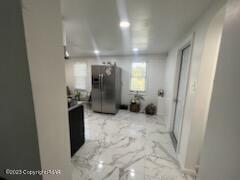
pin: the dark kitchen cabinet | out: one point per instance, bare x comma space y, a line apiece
76, 124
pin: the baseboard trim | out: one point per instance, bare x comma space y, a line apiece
186, 171
189, 172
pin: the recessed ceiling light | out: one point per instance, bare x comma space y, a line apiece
96, 52
124, 24
135, 49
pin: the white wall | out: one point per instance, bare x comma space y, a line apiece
43, 24
220, 157
205, 84
155, 71
190, 135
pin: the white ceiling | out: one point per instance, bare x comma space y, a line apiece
155, 24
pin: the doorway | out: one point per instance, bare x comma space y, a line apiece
182, 81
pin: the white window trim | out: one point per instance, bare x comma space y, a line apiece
131, 92
86, 76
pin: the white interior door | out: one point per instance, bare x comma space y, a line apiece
181, 93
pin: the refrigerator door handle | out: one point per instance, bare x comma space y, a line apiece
102, 81
99, 84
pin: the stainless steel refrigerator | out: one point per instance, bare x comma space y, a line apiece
106, 88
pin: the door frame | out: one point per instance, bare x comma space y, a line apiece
188, 41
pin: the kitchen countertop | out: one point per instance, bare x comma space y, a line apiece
79, 103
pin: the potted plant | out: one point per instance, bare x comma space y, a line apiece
77, 95
150, 109
136, 102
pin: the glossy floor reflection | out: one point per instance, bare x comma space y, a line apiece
126, 146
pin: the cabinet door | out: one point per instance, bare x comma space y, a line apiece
76, 124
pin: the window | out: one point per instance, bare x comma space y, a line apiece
80, 75
138, 78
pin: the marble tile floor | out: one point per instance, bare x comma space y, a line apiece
125, 146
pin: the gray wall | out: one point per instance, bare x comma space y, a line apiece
18, 134
220, 157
